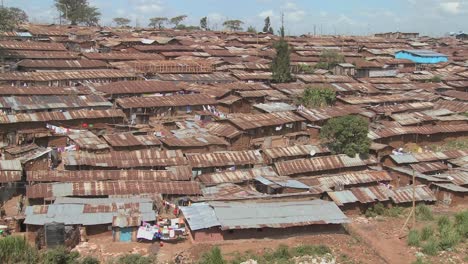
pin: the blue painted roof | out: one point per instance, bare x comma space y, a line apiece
424, 53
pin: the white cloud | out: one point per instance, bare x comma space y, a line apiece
451, 7
266, 13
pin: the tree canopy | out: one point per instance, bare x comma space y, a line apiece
280, 66
329, 59
204, 23
177, 20
78, 12
11, 18
347, 135
317, 97
234, 25
267, 28
121, 21
251, 29
157, 22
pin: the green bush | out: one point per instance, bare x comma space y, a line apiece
89, 260
424, 213
60, 255
134, 259
394, 211
379, 209
443, 223
213, 256
14, 249
461, 223
310, 250
414, 238
426, 233
449, 238
281, 255
420, 260
431, 247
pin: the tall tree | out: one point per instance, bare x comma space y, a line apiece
267, 28
176, 20
121, 21
347, 135
78, 12
234, 25
11, 18
280, 66
204, 23
251, 29
157, 22
317, 97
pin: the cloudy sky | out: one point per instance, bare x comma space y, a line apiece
429, 17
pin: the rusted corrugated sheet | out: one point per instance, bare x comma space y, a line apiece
43, 90
324, 163
10, 176
166, 101
454, 106
62, 64
429, 167
405, 194
228, 191
139, 87
61, 116
325, 78
42, 55
100, 175
129, 140
31, 45
428, 156
65, 75
348, 179
213, 77
223, 130
237, 176
166, 66
322, 114
87, 140
84, 189
246, 122
225, 158
294, 151
41, 102
378, 99
195, 141
417, 130
122, 56
390, 109
127, 159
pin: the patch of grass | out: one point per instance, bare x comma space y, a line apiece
420, 260
449, 238
213, 256
461, 223
280, 255
379, 209
431, 247
310, 250
424, 213
15, 249
426, 233
414, 238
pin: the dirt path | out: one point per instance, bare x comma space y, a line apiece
383, 238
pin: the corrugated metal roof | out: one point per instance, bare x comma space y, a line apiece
282, 181
323, 163
428, 156
236, 176
294, 151
405, 194
236, 215
229, 191
166, 101
426, 167
62, 64
343, 197
10, 176
347, 179
252, 121
139, 87
47, 76
10, 165
451, 187
225, 158
200, 216
322, 114
275, 107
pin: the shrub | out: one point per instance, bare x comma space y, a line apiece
310, 250
60, 255
420, 260
89, 260
431, 247
393, 211
281, 253
424, 213
213, 256
426, 233
14, 249
461, 223
414, 238
449, 238
134, 259
443, 223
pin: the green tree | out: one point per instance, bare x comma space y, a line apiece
213, 256
177, 20
234, 25
157, 22
11, 18
78, 12
251, 29
267, 28
15, 249
317, 97
329, 59
347, 135
280, 66
204, 23
435, 79
121, 21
